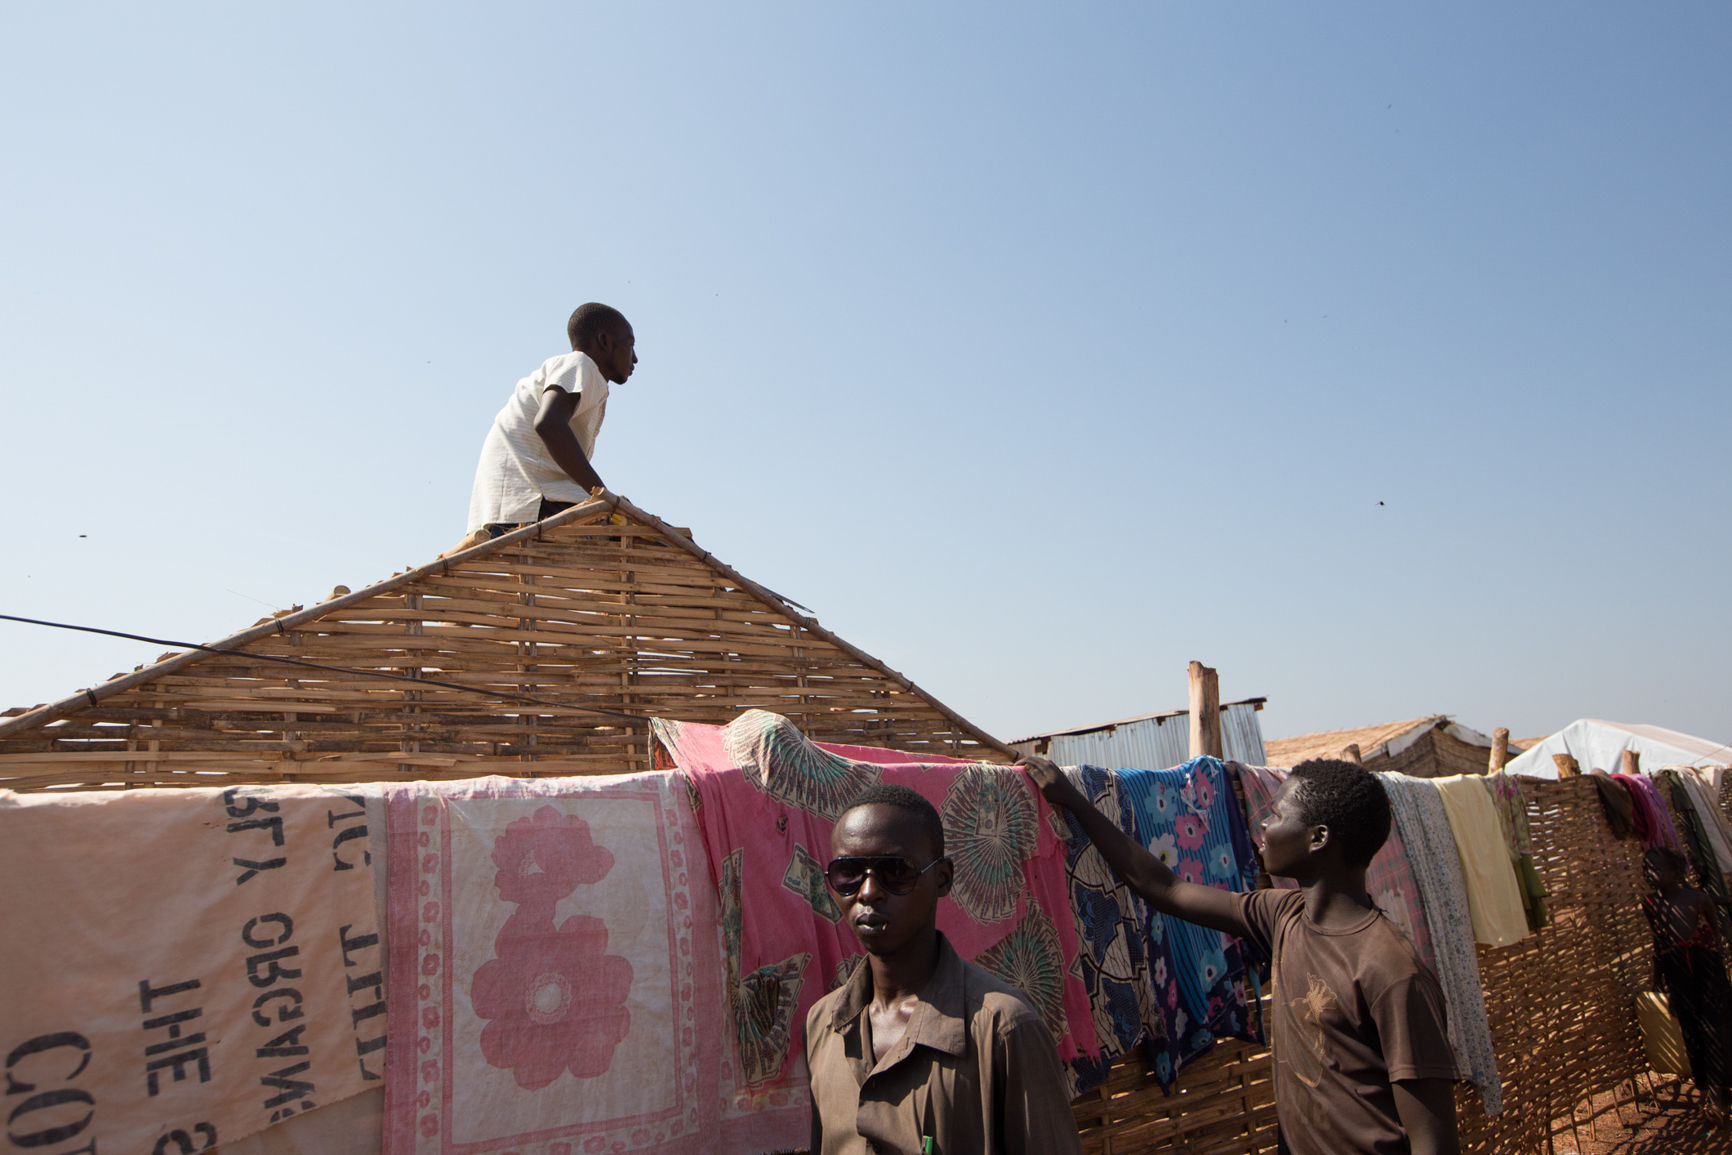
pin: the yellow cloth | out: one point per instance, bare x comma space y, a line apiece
1662, 1035
1494, 897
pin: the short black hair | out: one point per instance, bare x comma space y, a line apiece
1349, 800
590, 320
908, 801
1666, 856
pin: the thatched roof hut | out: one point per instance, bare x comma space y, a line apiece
1429, 747
542, 652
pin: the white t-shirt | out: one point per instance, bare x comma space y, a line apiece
516, 471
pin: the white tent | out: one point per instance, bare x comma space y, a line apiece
1599, 745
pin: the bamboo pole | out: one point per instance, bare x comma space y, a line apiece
1205, 711
1499, 750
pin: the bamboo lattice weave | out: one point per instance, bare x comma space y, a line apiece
580, 614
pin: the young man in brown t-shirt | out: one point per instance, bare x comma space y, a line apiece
1362, 1055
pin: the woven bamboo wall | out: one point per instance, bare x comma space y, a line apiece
1561, 1002
578, 612
1223, 1104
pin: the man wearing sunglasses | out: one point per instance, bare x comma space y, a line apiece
920, 1052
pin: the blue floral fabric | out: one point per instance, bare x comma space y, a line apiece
1191, 819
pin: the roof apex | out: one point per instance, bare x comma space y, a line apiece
602, 504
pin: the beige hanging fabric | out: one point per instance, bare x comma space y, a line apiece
187, 967
1494, 897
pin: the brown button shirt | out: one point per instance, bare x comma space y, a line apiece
1354, 1010
976, 1071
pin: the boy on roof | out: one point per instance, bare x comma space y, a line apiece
1362, 1055
919, 1051
536, 459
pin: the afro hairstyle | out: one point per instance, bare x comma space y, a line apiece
1349, 800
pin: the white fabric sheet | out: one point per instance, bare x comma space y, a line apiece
1598, 744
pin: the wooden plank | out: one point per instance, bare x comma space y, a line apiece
1205, 712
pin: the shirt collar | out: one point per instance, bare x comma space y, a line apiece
937, 1021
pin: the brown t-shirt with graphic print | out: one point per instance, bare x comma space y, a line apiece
1354, 1010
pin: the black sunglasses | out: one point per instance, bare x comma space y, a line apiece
897, 875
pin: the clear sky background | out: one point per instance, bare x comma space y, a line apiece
1377, 356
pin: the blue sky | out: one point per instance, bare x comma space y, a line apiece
1377, 356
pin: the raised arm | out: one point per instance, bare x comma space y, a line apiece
553, 425
1142, 871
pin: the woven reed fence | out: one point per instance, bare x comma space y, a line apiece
601, 608
1562, 1007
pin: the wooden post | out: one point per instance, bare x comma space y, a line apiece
1499, 749
1632, 763
1205, 712
1350, 753
1568, 767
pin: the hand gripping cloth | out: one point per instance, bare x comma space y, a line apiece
1112, 937
1191, 819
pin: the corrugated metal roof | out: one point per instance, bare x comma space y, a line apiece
1152, 741
1254, 703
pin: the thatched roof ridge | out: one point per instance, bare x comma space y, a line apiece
1386, 740
602, 608
1254, 703
1330, 743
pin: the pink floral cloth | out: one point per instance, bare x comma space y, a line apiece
556, 975
1389, 880
767, 798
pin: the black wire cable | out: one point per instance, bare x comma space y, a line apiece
319, 666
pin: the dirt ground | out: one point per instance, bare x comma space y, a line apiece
1666, 1121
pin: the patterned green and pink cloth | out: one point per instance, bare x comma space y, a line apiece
766, 798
